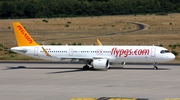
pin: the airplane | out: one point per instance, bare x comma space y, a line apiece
97, 57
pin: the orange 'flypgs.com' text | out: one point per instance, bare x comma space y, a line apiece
127, 52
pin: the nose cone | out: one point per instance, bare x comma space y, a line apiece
170, 57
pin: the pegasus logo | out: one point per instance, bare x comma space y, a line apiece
23, 32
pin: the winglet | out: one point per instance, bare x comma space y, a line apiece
22, 36
98, 42
47, 54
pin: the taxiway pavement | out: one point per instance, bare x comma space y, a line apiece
60, 81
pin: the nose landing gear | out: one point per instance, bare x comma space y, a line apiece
155, 66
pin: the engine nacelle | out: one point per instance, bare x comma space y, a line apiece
100, 63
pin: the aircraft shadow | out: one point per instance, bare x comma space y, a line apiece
23, 67
74, 69
77, 69
124, 68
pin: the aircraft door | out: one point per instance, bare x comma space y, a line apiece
36, 51
153, 52
71, 52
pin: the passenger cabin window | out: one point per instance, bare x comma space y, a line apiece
164, 51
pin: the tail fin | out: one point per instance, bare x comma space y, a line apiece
22, 36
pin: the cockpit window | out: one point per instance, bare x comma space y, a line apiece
164, 51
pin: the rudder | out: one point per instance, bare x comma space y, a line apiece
22, 36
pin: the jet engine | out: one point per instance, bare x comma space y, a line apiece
100, 63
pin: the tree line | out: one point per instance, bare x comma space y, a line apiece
71, 8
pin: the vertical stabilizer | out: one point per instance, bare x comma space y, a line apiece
22, 36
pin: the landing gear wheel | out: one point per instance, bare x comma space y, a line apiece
108, 67
155, 67
86, 67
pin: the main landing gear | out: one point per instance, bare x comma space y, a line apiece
86, 67
155, 66
88, 63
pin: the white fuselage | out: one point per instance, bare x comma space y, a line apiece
112, 53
